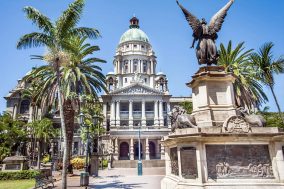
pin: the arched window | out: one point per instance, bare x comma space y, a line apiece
135, 65
144, 66
162, 84
125, 66
110, 84
25, 105
124, 151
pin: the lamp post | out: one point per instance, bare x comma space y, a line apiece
139, 152
95, 163
84, 177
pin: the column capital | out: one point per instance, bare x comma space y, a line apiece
130, 101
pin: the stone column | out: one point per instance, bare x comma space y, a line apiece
162, 151
112, 114
167, 161
30, 114
130, 113
143, 114
279, 161
169, 120
161, 116
156, 117
105, 115
115, 154
117, 113
131, 149
147, 149
15, 111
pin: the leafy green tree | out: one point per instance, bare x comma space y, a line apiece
187, 106
12, 133
266, 66
43, 131
65, 71
272, 118
248, 91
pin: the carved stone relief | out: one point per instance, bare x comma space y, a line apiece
238, 162
174, 161
137, 90
236, 124
188, 163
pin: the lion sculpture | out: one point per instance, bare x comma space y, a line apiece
253, 119
180, 119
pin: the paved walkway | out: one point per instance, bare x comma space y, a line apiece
120, 178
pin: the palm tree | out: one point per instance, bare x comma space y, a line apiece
43, 131
32, 93
247, 89
266, 66
56, 37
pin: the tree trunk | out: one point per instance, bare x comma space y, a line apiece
38, 154
277, 104
65, 155
69, 115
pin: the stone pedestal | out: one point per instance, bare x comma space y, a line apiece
212, 96
15, 163
212, 158
94, 162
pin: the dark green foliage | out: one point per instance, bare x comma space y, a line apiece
272, 119
12, 133
187, 105
18, 175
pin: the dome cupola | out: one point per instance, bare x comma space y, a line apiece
134, 33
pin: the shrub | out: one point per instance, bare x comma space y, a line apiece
78, 163
18, 175
46, 158
105, 162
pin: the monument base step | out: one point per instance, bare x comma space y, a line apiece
133, 163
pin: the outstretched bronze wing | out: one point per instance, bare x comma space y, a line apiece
194, 23
218, 19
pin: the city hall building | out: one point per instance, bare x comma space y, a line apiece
138, 100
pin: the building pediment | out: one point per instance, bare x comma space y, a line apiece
136, 88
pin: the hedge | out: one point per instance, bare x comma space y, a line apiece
18, 175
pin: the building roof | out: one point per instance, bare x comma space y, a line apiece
134, 33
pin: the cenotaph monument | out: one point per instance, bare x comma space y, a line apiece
219, 146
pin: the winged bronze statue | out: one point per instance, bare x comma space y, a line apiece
206, 50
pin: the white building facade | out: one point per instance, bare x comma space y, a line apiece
138, 99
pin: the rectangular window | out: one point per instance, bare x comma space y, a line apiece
125, 80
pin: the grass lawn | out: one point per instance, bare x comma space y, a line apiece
17, 184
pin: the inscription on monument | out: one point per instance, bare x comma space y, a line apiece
13, 167
174, 161
188, 163
238, 161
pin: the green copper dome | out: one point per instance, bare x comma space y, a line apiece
134, 33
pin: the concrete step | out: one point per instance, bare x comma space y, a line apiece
133, 163
114, 172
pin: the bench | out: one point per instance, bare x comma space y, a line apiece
43, 181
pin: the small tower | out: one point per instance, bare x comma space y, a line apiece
134, 22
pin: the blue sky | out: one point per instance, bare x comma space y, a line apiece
253, 21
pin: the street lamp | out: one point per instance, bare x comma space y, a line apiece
84, 177
139, 152
95, 163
